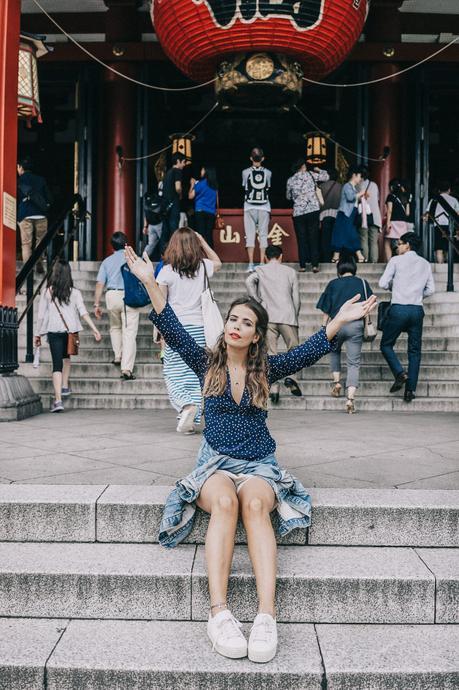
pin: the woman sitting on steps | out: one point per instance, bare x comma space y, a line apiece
236, 468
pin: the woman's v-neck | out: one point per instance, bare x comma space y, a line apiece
230, 391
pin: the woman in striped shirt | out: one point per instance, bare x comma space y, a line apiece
187, 259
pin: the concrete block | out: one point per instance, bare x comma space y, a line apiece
160, 655
95, 581
17, 398
48, 513
133, 514
25, 645
389, 517
390, 657
327, 584
444, 564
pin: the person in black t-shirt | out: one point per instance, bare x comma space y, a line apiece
172, 194
398, 213
337, 292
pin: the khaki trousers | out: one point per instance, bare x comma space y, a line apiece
27, 227
369, 242
123, 329
290, 337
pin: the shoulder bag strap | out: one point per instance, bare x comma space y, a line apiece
206, 282
364, 288
61, 315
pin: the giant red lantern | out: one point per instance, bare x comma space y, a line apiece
198, 35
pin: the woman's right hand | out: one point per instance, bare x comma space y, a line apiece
97, 336
141, 268
37, 341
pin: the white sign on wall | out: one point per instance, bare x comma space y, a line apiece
9, 211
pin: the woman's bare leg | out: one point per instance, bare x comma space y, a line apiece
57, 385
257, 500
218, 497
388, 249
65, 373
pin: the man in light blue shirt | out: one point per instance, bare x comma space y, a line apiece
409, 276
124, 320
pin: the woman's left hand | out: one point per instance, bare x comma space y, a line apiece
141, 268
353, 310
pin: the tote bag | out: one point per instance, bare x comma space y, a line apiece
369, 328
213, 322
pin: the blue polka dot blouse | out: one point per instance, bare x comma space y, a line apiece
239, 431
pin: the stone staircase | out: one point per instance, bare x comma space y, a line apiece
96, 384
368, 598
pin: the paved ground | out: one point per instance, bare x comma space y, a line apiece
323, 449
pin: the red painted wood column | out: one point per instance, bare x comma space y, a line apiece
119, 179
10, 12
385, 127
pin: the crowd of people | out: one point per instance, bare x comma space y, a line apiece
333, 222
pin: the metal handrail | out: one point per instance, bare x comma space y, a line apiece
453, 222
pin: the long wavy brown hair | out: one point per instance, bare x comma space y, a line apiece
61, 282
257, 363
184, 252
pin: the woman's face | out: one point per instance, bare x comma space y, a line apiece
240, 329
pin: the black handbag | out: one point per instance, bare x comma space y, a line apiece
383, 313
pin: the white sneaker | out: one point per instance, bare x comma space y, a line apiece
186, 421
263, 639
224, 632
250, 268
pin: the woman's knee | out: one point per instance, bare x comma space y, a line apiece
254, 508
225, 503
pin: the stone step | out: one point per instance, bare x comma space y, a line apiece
153, 370
109, 655
440, 341
133, 401
103, 355
132, 514
318, 584
309, 388
437, 327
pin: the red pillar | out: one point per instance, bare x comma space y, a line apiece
119, 180
10, 12
385, 127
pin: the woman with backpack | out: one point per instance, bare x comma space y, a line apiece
205, 194
182, 280
337, 292
237, 471
59, 313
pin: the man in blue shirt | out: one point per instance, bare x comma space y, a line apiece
124, 320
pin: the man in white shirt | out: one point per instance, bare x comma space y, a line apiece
370, 229
441, 217
409, 276
256, 182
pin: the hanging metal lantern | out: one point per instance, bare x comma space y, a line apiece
316, 148
31, 48
181, 143
251, 43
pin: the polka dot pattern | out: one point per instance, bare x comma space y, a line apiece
239, 431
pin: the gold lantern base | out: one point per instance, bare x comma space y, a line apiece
260, 80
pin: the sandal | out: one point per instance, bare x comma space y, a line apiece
350, 407
127, 376
336, 390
